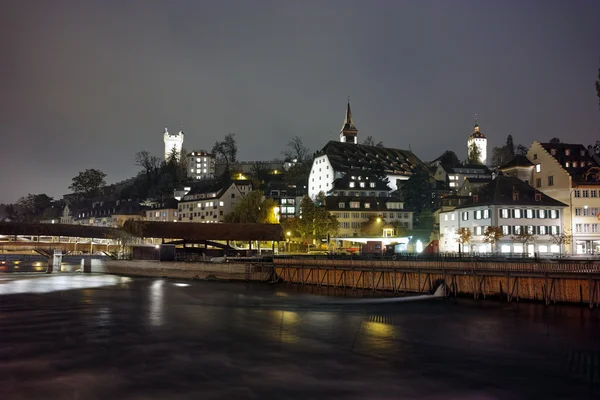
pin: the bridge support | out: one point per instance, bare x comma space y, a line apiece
86, 265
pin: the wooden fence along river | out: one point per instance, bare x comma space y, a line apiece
549, 282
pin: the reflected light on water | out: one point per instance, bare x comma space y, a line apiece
156, 315
47, 284
181, 284
379, 336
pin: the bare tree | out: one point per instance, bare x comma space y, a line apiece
148, 162
226, 150
561, 239
369, 141
296, 150
464, 237
524, 237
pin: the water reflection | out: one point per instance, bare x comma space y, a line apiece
46, 284
156, 297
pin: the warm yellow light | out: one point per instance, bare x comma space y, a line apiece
378, 219
288, 233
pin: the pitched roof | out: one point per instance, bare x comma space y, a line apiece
476, 134
346, 156
356, 176
447, 158
467, 169
572, 153
517, 161
500, 192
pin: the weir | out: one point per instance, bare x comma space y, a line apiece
564, 282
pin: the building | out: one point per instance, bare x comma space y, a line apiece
480, 141
569, 173
353, 211
211, 201
337, 158
454, 175
109, 213
173, 142
163, 211
470, 186
201, 165
515, 207
287, 198
519, 167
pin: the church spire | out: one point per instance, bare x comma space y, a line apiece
349, 133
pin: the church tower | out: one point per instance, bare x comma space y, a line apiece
480, 141
173, 141
349, 133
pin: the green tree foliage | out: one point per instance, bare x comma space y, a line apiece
315, 222
88, 182
253, 209
417, 191
32, 208
373, 226
226, 150
474, 154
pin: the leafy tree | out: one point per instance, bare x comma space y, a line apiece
315, 222
88, 182
226, 150
31, 208
417, 191
373, 226
369, 141
492, 235
464, 237
555, 140
296, 150
254, 209
561, 239
474, 154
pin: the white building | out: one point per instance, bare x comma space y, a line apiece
210, 202
512, 205
337, 158
569, 173
172, 142
201, 165
481, 142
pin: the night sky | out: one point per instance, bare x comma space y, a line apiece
87, 84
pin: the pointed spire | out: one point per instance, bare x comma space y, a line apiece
348, 122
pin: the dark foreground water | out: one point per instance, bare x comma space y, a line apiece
106, 337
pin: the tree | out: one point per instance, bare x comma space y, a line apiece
417, 191
88, 182
296, 150
254, 209
31, 208
524, 237
148, 162
561, 239
464, 237
425, 220
555, 140
509, 147
259, 174
499, 156
598, 87
492, 235
226, 150
369, 141
315, 222
474, 156
521, 150
373, 226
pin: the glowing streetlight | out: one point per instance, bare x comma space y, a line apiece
378, 219
289, 233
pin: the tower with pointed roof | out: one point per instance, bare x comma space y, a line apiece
480, 141
349, 133
173, 142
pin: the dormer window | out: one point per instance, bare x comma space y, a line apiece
341, 205
351, 184
568, 152
362, 184
574, 164
567, 164
553, 152
515, 196
475, 199
538, 197
582, 152
367, 205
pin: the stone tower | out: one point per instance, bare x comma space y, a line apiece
480, 141
173, 141
349, 133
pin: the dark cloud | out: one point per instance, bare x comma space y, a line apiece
86, 84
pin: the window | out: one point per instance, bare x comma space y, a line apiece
551, 180
535, 156
445, 217
542, 249
578, 212
594, 212
542, 230
594, 228
555, 230
362, 184
586, 228
477, 214
517, 213
538, 182
515, 196
538, 167
568, 152
452, 216
578, 228
531, 229
506, 230
541, 214
465, 215
221, 203
586, 212
517, 229
529, 213
372, 184
578, 193
355, 204
341, 205
553, 152
594, 193
351, 184
554, 214
486, 214
574, 164
538, 197
367, 205
503, 213
567, 164
586, 193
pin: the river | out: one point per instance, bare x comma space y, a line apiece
74, 336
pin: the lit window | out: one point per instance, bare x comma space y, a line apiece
538, 167
351, 184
